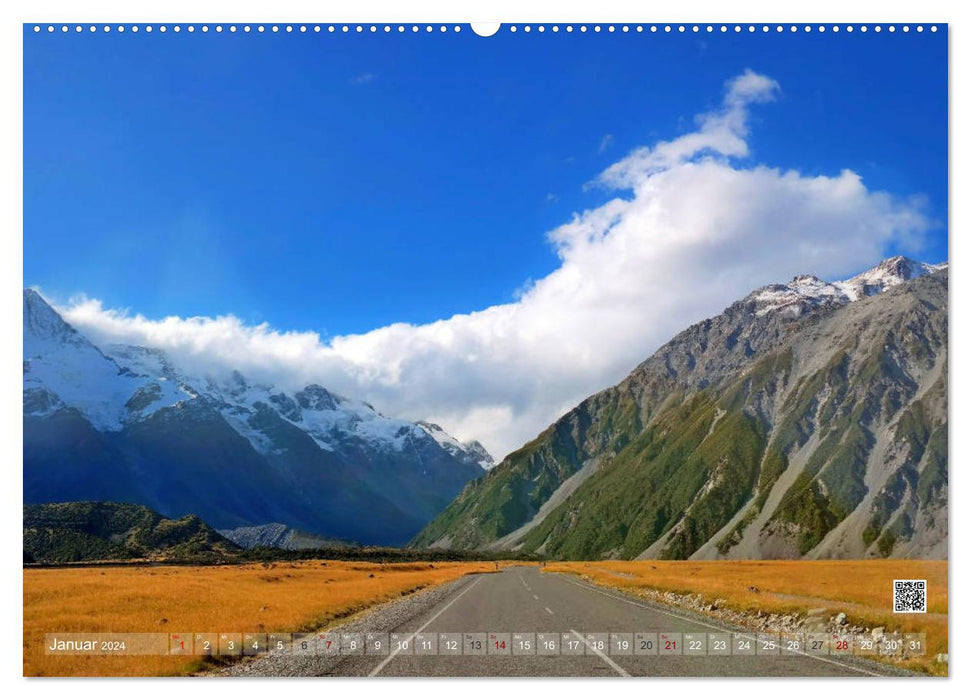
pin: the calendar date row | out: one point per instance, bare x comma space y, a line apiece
487, 644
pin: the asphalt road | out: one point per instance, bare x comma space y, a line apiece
523, 599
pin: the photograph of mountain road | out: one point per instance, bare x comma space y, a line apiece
433, 354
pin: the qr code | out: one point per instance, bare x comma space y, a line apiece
910, 596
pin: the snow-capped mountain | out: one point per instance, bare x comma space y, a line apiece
806, 292
460, 450
62, 368
807, 419
124, 423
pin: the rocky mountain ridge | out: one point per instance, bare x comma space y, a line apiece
806, 420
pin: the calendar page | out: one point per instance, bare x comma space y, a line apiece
436, 349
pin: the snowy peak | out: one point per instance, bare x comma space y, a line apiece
63, 369
469, 451
804, 293
887, 274
480, 454
40, 320
438, 433
44, 329
807, 292
314, 397
335, 423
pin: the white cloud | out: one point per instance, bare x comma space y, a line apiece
694, 227
605, 143
721, 132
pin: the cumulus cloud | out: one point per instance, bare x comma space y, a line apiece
693, 226
721, 132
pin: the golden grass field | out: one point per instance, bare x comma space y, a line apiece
306, 596
861, 589
281, 597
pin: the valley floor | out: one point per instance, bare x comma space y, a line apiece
851, 597
268, 597
800, 595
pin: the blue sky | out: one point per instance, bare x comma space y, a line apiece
338, 183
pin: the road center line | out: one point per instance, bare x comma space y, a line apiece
716, 627
610, 662
387, 659
548, 610
535, 597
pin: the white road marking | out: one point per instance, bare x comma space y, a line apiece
377, 669
715, 627
610, 662
548, 610
535, 597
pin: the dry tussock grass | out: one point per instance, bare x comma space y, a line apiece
272, 597
861, 589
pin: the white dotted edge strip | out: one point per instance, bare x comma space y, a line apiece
247, 28
513, 28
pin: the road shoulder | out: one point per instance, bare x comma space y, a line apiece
865, 665
384, 617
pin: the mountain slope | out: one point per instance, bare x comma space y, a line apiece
279, 536
807, 419
124, 423
72, 532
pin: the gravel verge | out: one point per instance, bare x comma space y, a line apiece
385, 617
691, 607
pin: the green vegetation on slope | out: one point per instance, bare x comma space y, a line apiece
89, 531
512, 492
686, 470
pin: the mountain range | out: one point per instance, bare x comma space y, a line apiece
123, 423
278, 536
808, 419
